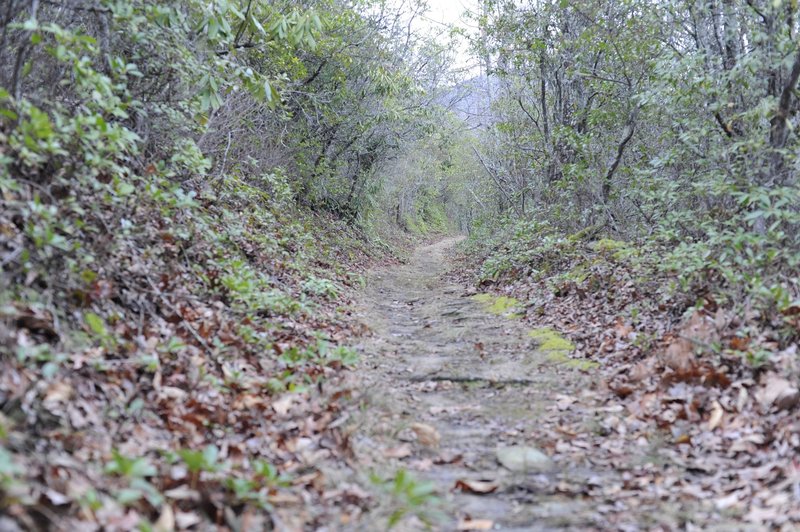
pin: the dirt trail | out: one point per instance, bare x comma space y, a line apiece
439, 358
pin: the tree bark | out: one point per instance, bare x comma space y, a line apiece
779, 125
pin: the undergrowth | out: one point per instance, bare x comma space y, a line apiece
152, 316
516, 255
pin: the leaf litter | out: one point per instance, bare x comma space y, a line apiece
679, 406
171, 397
201, 436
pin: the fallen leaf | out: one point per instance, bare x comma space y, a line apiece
451, 457
518, 458
173, 393
426, 434
284, 499
726, 502
58, 392
475, 524
679, 355
421, 465
778, 392
683, 439
166, 521
716, 416
57, 498
739, 343
186, 520
621, 329
182, 493
478, 487
401, 451
761, 515
283, 405
741, 399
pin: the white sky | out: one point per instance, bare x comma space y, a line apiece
449, 12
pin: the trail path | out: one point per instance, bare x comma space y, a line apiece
449, 383
439, 358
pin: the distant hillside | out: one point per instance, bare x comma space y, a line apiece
470, 100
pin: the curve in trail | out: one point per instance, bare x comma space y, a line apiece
449, 384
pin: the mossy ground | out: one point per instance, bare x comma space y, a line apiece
617, 250
499, 305
558, 348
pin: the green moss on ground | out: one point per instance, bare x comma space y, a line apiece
499, 305
615, 249
561, 357
557, 348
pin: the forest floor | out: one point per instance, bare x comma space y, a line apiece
508, 431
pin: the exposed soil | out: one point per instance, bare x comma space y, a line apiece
476, 381
437, 357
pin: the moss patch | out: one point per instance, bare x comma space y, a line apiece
499, 305
557, 348
616, 249
549, 340
578, 274
607, 245
561, 357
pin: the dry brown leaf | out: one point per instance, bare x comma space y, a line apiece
421, 465
701, 329
475, 524
621, 329
478, 487
283, 405
284, 499
640, 372
738, 343
679, 355
166, 521
683, 439
57, 392
779, 392
172, 393
186, 520
401, 451
450, 457
716, 416
426, 434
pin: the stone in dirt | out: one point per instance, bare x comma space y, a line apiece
521, 459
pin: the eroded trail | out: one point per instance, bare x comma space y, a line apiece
451, 383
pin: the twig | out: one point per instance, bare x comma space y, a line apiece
496, 180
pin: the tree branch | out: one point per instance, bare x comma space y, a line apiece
630, 127
496, 180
